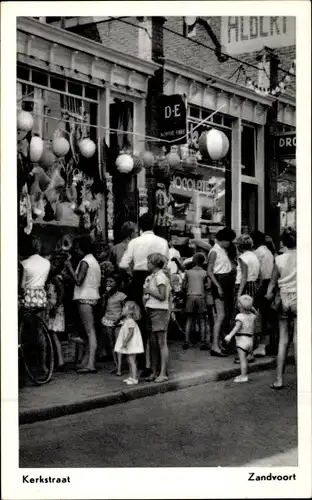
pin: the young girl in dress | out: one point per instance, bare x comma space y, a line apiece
129, 340
243, 332
55, 316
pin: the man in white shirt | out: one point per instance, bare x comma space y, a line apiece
136, 256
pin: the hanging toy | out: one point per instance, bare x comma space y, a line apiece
60, 146
47, 158
36, 197
24, 121
86, 147
35, 148
42, 177
49, 212
57, 182
65, 215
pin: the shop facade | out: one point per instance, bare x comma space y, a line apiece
231, 192
67, 80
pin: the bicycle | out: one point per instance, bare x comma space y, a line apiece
35, 346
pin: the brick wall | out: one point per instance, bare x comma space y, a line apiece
113, 34
188, 53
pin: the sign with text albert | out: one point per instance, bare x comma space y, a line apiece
241, 34
172, 109
285, 145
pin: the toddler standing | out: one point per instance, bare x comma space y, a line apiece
129, 340
243, 332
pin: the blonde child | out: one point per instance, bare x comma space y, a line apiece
55, 315
243, 332
158, 302
129, 340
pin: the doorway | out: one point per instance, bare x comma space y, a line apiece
249, 208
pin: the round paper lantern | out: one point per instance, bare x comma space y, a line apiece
60, 146
191, 162
215, 143
87, 148
47, 158
137, 164
35, 148
124, 163
25, 121
173, 159
148, 159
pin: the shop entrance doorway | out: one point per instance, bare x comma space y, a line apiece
249, 208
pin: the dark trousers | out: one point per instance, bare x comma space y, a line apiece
135, 293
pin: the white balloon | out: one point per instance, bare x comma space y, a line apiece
35, 149
87, 147
215, 143
60, 146
124, 163
24, 121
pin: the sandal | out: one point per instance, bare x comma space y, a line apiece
86, 370
161, 379
276, 387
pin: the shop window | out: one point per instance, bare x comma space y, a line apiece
227, 122
217, 119
74, 88
39, 77
248, 146
194, 112
22, 72
121, 118
57, 83
91, 93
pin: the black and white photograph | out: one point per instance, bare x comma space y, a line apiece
153, 266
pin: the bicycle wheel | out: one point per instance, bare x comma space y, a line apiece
36, 349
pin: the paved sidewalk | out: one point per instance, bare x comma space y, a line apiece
69, 392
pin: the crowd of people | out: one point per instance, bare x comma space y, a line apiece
238, 293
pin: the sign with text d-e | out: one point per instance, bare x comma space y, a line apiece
173, 117
240, 34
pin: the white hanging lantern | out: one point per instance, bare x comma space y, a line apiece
24, 121
35, 148
124, 163
87, 148
173, 159
60, 146
148, 159
215, 143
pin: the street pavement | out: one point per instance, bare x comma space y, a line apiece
214, 424
69, 392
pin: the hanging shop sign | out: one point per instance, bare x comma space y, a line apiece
172, 116
241, 34
191, 185
285, 145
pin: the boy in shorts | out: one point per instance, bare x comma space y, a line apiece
194, 281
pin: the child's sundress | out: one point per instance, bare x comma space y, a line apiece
135, 344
